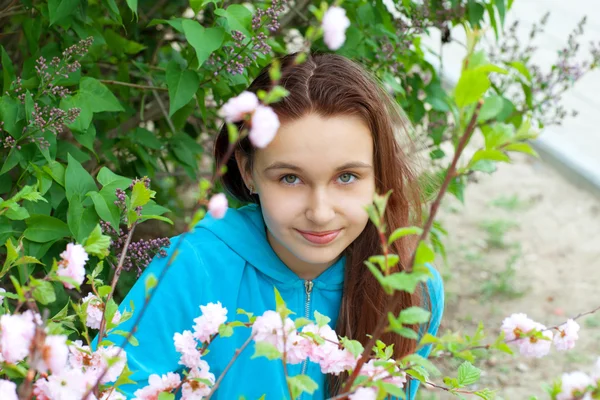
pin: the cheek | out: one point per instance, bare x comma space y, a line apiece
279, 209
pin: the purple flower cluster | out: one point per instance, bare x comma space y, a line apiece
120, 202
53, 118
271, 16
9, 142
240, 55
140, 253
145, 180
547, 84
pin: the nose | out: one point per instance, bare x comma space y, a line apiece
320, 210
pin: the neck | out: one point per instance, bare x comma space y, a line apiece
304, 270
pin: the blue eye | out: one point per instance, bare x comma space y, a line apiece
347, 178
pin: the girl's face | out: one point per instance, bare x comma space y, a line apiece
314, 181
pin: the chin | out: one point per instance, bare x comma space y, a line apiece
314, 255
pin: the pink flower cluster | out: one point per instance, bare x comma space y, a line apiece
524, 332
95, 310
72, 264
207, 324
82, 371
264, 123
217, 206
16, 335
334, 26
579, 385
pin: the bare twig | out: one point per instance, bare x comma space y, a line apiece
236, 355
133, 85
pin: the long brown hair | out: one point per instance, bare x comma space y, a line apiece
328, 85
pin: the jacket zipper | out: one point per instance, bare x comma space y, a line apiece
308, 286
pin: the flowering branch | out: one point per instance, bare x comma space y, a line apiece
381, 324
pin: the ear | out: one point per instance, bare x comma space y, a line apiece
244, 167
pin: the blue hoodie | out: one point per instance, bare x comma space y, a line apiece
230, 261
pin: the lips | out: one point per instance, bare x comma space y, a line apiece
323, 237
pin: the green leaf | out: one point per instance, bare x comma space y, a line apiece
140, 195
157, 217
166, 396
150, 283
99, 96
9, 113
120, 44
225, 330
106, 177
132, 340
407, 281
43, 228
75, 214
77, 179
468, 374
17, 213
425, 254
8, 70
59, 9
492, 106
182, 86
522, 68
97, 244
353, 346
521, 148
44, 292
107, 212
302, 384
414, 315
14, 157
489, 154
401, 232
133, 5
264, 349
238, 17
471, 86
392, 389
321, 319
204, 40
501, 10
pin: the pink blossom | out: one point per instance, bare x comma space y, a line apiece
213, 316
382, 372
296, 347
54, 354
72, 264
158, 384
96, 362
536, 347
8, 390
334, 26
574, 385
186, 345
517, 329
112, 394
331, 358
517, 326
596, 371
217, 206
265, 124
269, 328
364, 394
95, 309
17, 332
237, 107
567, 335
194, 389
66, 385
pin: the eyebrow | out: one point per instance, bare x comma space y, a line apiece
348, 165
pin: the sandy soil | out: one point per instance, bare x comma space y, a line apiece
527, 240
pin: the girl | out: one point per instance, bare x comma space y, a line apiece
304, 232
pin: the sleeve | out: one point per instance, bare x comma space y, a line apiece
171, 309
435, 287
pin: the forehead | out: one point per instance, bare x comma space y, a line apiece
313, 141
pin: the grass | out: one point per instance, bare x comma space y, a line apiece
503, 283
496, 230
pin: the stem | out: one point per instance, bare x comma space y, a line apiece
133, 85
114, 282
236, 355
381, 324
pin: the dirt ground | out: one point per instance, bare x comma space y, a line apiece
528, 241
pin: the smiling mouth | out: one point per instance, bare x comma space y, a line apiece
323, 237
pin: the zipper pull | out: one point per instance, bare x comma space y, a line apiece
308, 285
